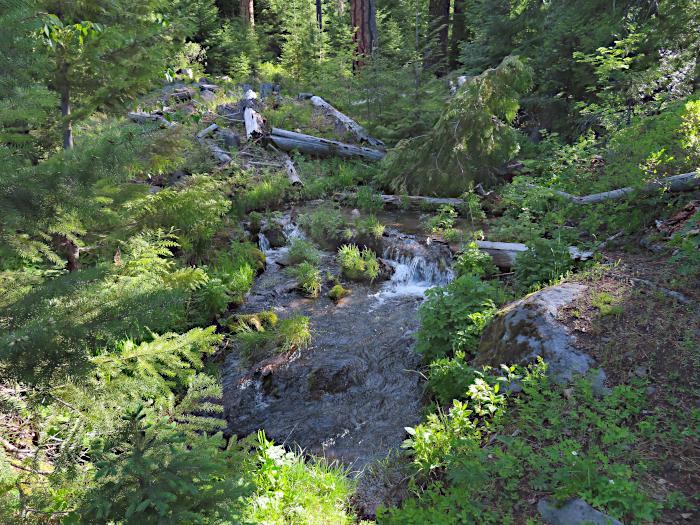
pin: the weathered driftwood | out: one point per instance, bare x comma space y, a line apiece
254, 123
349, 124
145, 118
668, 293
415, 199
684, 182
291, 171
504, 253
206, 131
218, 153
289, 141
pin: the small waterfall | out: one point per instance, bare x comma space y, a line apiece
263, 243
415, 273
292, 231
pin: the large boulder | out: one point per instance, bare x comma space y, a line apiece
573, 512
529, 328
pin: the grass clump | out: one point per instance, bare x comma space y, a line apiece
291, 489
358, 265
261, 334
309, 278
338, 292
302, 251
323, 226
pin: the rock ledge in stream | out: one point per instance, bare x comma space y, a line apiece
573, 512
529, 328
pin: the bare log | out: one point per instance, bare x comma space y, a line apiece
415, 199
254, 123
504, 253
684, 182
289, 141
349, 124
145, 118
218, 153
206, 131
291, 171
668, 293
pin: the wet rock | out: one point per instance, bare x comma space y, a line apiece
573, 512
529, 328
275, 236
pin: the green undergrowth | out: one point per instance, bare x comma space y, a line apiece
358, 265
476, 457
261, 334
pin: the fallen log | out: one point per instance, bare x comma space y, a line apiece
504, 253
415, 199
668, 293
291, 171
684, 182
206, 131
290, 141
349, 124
145, 118
254, 123
218, 153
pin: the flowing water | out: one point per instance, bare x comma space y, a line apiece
349, 395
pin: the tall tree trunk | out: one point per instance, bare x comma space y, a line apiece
247, 12
460, 30
64, 89
363, 15
319, 15
439, 12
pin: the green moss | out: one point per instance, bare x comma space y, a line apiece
257, 321
337, 292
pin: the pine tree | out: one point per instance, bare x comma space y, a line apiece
473, 136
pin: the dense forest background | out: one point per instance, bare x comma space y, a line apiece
114, 299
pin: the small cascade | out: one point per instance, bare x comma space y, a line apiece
263, 243
292, 231
416, 268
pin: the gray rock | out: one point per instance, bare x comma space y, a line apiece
173, 87
529, 328
641, 371
573, 512
650, 390
178, 178
229, 138
204, 80
275, 236
207, 96
186, 72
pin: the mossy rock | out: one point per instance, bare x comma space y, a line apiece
275, 237
338, 292
354, 274
260, 263
259, 321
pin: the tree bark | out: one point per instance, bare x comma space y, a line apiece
64, 89
254, 123
683, 182
247, 12
460, 31
439, 12
289, 141
319, 15
363, 15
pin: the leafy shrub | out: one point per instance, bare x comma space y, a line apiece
444, 220
358, 265
453, 317
371, 226
303, 251
292, 489
471, 206
369, 200
448, 379
324, 225
309, 278
471, 260
544, 261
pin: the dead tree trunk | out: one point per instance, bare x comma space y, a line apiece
247, 12
254, 123
290, 141
349, 124
363, 16
439, 12
684, 182
291, 171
